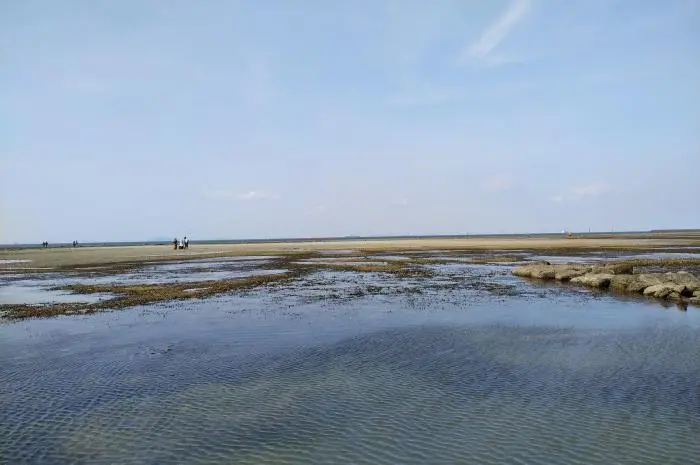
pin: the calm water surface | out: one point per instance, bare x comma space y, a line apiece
553, 377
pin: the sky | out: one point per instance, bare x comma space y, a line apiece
134, 120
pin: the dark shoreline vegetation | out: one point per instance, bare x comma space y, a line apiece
411, 264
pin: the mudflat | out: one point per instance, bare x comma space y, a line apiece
61, 257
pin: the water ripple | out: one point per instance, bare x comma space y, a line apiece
420, 395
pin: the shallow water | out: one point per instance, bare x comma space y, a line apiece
244, 260
341, 262
162, 278
317, 372
25, 294
18, 289
666, 255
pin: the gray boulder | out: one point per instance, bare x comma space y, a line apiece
621, 282
689, 280
597, 280
539, 270
665, 290
613, 268
567, 272
544, 270
643, 281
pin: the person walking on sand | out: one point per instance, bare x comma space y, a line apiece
175, 244
187, 242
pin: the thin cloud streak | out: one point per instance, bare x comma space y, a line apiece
496, 32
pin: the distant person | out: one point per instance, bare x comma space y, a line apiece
182, 244
187, 242
175, 243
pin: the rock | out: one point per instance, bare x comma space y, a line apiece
689, 280
544, 272
619, 268
665, 290
621, 282
597, 280
642, 281
566, 272
540, 270
524, 271
696, 293
614, 268
694, 300
652, 290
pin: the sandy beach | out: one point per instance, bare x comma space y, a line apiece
67, 257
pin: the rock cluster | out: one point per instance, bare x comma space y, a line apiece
679, 286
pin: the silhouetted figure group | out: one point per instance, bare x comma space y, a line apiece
45, 244
183, 243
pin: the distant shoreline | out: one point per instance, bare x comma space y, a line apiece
66, 257
690, 234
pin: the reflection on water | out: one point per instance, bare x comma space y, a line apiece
326, 370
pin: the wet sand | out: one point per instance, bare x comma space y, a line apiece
68, 257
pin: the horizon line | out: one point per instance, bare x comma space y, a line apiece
359, 237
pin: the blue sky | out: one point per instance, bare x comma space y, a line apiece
134, 119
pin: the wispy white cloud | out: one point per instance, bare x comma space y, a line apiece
557, 198
252, 195
483, 48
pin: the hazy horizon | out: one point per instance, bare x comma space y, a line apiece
326, 119
165, 239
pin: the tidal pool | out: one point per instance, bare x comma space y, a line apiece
466, 375
34, 295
